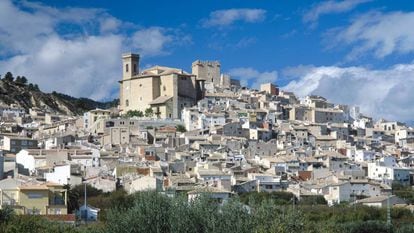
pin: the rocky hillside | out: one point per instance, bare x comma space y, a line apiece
29, 95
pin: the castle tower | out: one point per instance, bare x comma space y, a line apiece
130, 64
207, 70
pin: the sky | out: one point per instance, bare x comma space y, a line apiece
356, 52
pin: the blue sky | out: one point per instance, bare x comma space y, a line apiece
357, 52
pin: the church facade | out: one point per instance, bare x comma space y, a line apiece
165, 90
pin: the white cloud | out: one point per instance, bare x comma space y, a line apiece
222, 18
380, 33
110, 24
253, 78
330, 7
151, 41
82, 58
381, 93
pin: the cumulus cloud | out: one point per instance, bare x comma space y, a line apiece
383, 93
73, 50
330, 7
222, 18
379, 33
151, 41
253, 78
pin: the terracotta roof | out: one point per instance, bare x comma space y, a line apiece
61, 217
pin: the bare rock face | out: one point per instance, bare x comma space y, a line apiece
26, 96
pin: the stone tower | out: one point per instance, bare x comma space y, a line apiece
207, 70
130, 68
130, 64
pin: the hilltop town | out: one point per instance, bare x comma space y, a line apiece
202, 133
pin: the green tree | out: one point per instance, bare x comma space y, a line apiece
18, 79
134, 113
36, 87
6, 214
149, 112
23, 80
73, 198
181, 128
8, 77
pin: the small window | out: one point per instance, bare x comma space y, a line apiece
34, 195
135, 68
126, 68
127, 103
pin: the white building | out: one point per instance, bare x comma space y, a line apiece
144, 183
60, 175
403, 134
364, 156
337, 193
209, 120
387, 171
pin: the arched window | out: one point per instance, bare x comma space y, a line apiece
127, 103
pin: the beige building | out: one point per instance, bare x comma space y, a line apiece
269, 88
94, 120
44, 199
163, 89
209, 71
316, 115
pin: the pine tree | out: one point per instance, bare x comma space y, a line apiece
9, 77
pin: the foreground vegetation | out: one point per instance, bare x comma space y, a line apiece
154, 212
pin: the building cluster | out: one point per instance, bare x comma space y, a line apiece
202, 133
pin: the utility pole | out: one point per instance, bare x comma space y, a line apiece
389, 224
86, 208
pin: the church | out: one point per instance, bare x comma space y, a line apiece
165, 90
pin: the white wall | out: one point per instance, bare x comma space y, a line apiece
60, 175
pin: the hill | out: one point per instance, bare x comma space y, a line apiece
27, 95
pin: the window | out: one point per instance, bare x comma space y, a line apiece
127, 103
135, 68
126, 68
35, 195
